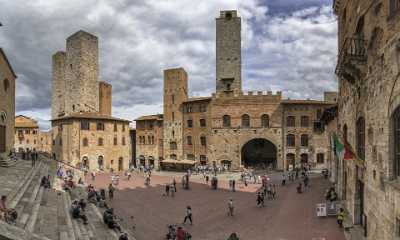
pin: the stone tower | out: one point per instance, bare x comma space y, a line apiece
82, 70
58, 85
228, 52
105, 93
175, 93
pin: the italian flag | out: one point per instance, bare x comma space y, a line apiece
342, 150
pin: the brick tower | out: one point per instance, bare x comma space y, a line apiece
228, 52
175, 92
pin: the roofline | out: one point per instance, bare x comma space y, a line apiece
86, 117
8, 63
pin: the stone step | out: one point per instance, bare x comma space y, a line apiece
32, 198
15, 196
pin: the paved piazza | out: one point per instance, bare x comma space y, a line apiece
291, 216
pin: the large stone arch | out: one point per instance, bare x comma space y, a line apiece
259, 153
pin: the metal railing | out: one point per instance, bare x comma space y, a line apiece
353, 48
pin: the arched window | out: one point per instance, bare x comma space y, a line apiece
6, 84
290, 140
226, 119
152, 139
203, 141
245, 120
304, 140
305, 121
290, 121
189, 140
360, 132
85, 142
345, 133
123, 141
320, 158
100, 142
115, 141
172, 156
396, 142
264, 120
290, 159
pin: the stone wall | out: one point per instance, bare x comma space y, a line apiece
7, 103
194, 111
59, 93
228, 52
69, 144
105, 98
370, 91
82, 70
149, 142
175, 93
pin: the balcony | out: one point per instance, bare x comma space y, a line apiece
352, 57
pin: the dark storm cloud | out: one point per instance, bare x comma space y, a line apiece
288, 45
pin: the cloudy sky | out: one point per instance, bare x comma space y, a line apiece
287, 45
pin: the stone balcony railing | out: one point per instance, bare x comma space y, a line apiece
352, 56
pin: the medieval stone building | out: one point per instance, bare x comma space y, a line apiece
368, 70
7, 105
84, 134
26, 134
232, 128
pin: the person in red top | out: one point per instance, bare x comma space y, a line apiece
180, 234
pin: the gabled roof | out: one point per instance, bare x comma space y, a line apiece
22, 121
8, 63
150, 117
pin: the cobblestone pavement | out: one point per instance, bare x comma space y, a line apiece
291, 216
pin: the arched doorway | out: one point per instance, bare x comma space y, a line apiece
290, 161
304, 158
120, 164
259, 153
100, 162
85, 163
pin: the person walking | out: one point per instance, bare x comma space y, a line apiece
93, 175
129, 175
174, 183
172, 190
340, 217
33, 159
230, 207
188, 215
283, 179
111, 190
167, 190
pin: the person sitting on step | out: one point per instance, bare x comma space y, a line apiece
110, 219
77, 212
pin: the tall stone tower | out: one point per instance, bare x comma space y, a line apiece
105, 93
58, 85
228, 52
82, 70
175, 93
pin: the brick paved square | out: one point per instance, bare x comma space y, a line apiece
291, 216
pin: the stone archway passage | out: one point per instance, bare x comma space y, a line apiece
259, 153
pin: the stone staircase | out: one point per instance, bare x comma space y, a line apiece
43, 214
8, 162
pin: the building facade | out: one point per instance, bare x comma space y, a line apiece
7, 105
233, 128
84, 134
26, 134
368, 106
